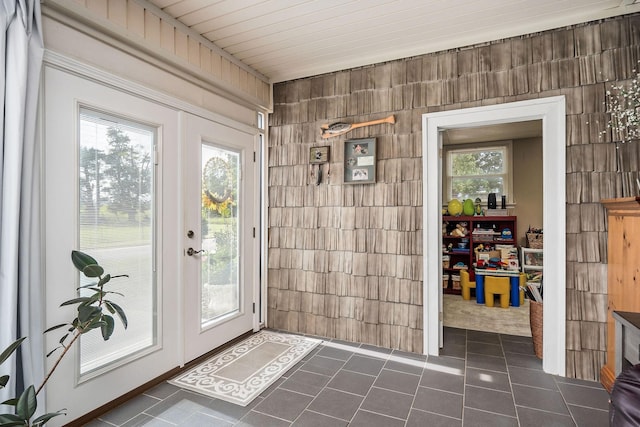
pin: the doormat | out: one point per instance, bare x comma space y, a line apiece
240, 373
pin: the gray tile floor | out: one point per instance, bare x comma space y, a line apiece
480, 379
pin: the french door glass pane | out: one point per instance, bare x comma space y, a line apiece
220, 234
116, 194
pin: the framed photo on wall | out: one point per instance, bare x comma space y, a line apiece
360, 161
318, 155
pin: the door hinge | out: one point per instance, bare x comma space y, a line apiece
440, 317
254, 308
254, 232
155, 157
254, 157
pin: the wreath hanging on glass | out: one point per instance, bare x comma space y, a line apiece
219, 178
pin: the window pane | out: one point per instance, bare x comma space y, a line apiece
477, 162
476, 172
260, 120
116, 193
471, 188
220, 284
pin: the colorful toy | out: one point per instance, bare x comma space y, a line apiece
454, 207
468, 208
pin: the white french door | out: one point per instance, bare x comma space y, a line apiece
220, 243
111, 181
117, 189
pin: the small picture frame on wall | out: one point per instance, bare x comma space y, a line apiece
360, 161
319, 155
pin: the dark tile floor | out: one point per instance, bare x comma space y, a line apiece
480, 379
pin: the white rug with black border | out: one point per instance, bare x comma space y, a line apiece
240, 373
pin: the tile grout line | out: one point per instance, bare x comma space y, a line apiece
142, 412
513, 395
403, 372
344, 362
265, 414
368, 392
441, 391
588, 407
489, 389
549, 412
464, 380
533, 386
497, 413
441, 415
566, 405
415, 394
325, 415
383, 415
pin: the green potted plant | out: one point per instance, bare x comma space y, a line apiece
94, 311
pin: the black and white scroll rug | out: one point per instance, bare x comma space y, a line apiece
240, 373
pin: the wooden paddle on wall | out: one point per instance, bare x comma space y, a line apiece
339, 128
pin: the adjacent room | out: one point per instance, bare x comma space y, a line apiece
505, 160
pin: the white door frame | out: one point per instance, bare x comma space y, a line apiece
551, 111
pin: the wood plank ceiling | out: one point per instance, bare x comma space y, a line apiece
289, 39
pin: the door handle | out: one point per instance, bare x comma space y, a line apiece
192, 252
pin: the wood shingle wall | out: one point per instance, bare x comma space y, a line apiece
345, 261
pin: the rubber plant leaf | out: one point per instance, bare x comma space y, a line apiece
42, 419
81, 260
93, 298
75, 301
53, 328
93, 270
95, 322
104, 280
53, 351
87, 312
112, 306
108, 326
7, 420
9, 350
26, 406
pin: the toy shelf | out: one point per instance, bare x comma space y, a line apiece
490, 230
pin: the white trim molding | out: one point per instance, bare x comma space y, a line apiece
551, 111
73, 66
69, 13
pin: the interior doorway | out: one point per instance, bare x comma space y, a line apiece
505, 159
552, 113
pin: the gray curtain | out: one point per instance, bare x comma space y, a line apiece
21, 286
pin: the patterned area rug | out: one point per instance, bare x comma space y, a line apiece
462, 314
240, 373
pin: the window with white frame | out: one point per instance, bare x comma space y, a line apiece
117, 220
261, 121
474, 172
